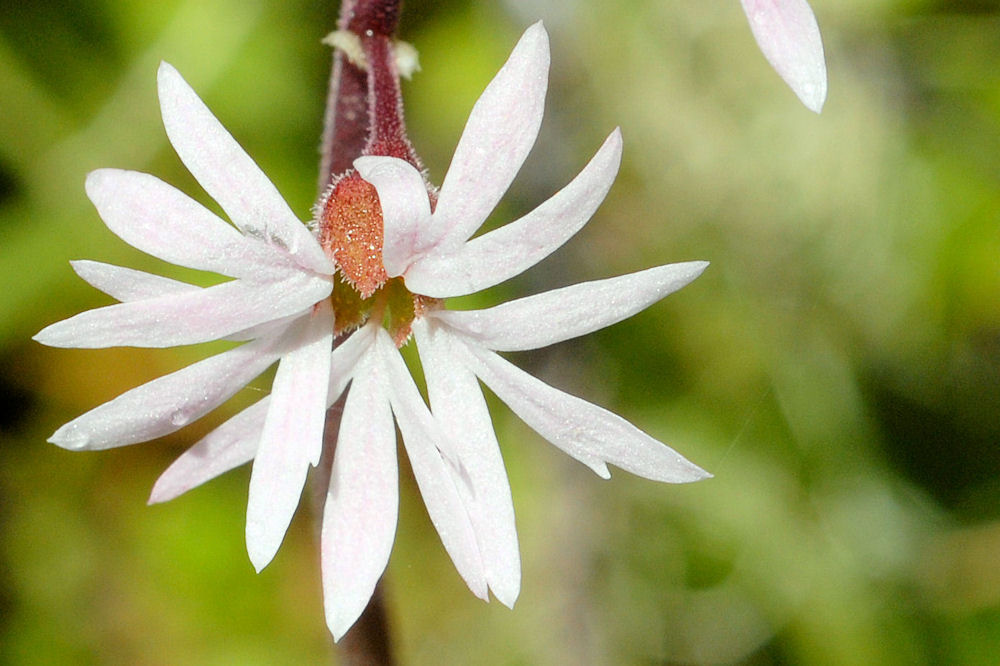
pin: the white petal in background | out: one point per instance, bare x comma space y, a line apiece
458, 405
362, 503
230, 175
788, 35
508, 251
561, 314
589, 433
292, 437
500, 132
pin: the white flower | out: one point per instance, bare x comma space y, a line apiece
278, 300
788, 35
433, 254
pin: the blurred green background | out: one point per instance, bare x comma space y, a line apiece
837, 367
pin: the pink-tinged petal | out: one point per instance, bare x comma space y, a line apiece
127, 284
188, 317
561, 314
292, 437
589, 433
346, 357
458, 405
268, 329
426, 448
406, 209
232, 444
231, 176
499, 134
359, 519
167, 403
788, 35
510, 250
160, 220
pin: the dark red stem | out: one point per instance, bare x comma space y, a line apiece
345, 129
367, 643
364, 109
387, 128
378, 16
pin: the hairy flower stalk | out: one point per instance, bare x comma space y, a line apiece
333, 303
353, 118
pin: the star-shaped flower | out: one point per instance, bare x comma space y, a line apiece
432, 252
277, 301
788, 35
283, 301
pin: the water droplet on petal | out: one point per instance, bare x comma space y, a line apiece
180, 418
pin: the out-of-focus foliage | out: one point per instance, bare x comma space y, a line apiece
837, 367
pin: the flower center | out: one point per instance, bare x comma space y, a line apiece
351, 229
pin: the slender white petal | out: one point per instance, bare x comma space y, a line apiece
589, 433
127, 284
160, 220
561, 314
345, 359
292, 437
406, 209
232, 444
188, 317
512, 249
458, 405
500, 131
359, 519
788, 35
425, 443
268, 329
235, 442
168, 403
231, 176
